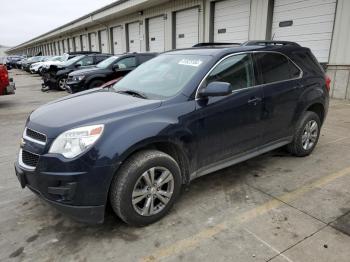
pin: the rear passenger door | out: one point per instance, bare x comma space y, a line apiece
280, 79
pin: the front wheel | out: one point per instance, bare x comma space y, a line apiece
62, 83
306, 135
145, 188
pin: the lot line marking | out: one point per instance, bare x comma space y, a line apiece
268, 245
193, 241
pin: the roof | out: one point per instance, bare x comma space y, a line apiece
221, 50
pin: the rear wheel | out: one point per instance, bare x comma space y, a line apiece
306, 136
145, 188
96, 83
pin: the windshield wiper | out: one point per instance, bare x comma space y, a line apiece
133, 93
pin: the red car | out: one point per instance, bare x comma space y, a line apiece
7, 87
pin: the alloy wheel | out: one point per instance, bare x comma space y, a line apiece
62, 83
152, 191
310, 135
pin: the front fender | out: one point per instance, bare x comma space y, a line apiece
93, 77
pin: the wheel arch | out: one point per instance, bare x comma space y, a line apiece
167, 146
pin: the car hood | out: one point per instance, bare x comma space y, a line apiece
96, 106
85, 71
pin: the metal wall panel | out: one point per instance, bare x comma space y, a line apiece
340, 51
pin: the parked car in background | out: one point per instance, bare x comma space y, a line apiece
111, 68
179, 116
11, 61
36, 67
7, 86
56, 76
26, 65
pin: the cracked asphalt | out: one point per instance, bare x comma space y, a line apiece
274, 207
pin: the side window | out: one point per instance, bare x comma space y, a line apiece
276, 67
127, 62
236, 70
100, 58
144, 58
86, 61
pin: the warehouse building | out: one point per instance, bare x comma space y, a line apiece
161, 25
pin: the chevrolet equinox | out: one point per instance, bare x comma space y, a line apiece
181, 115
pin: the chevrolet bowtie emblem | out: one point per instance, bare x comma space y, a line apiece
22, 143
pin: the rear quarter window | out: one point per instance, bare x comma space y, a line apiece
307, 62
275, 67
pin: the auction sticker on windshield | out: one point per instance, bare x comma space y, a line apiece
190, 62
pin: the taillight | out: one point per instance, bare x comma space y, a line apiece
328, 83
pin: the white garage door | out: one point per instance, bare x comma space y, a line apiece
71, 45
77, 43
231, 21
134, 37
57, 44
61, 48
93, 42
103, 41
156, 34
118, 42
309, 23
186, 28
85, 43
66, 50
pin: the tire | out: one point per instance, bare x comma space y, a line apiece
96, 83
306, 135
62, 83
130, 179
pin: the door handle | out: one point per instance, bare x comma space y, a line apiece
254, 100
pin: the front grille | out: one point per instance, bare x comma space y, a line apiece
36, 135
30, 159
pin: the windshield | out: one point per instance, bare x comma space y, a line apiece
163, 76
107, 62
73, 60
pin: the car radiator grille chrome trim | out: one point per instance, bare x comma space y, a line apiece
24, 157
34, 136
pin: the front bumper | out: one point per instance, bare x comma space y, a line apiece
73, 87
80, 195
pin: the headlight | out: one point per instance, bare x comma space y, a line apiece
76, 141
78, 78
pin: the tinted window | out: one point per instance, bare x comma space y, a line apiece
86, 61
236, 70
276, 67
144, 58
127, 62
100, 58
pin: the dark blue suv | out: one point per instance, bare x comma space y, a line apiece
181, 115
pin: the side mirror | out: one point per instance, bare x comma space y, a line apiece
216, 89
115, 67
78, 65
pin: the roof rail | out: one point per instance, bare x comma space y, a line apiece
214, 44
266, 43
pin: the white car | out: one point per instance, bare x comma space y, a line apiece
55, 60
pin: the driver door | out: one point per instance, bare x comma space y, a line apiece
231, 125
